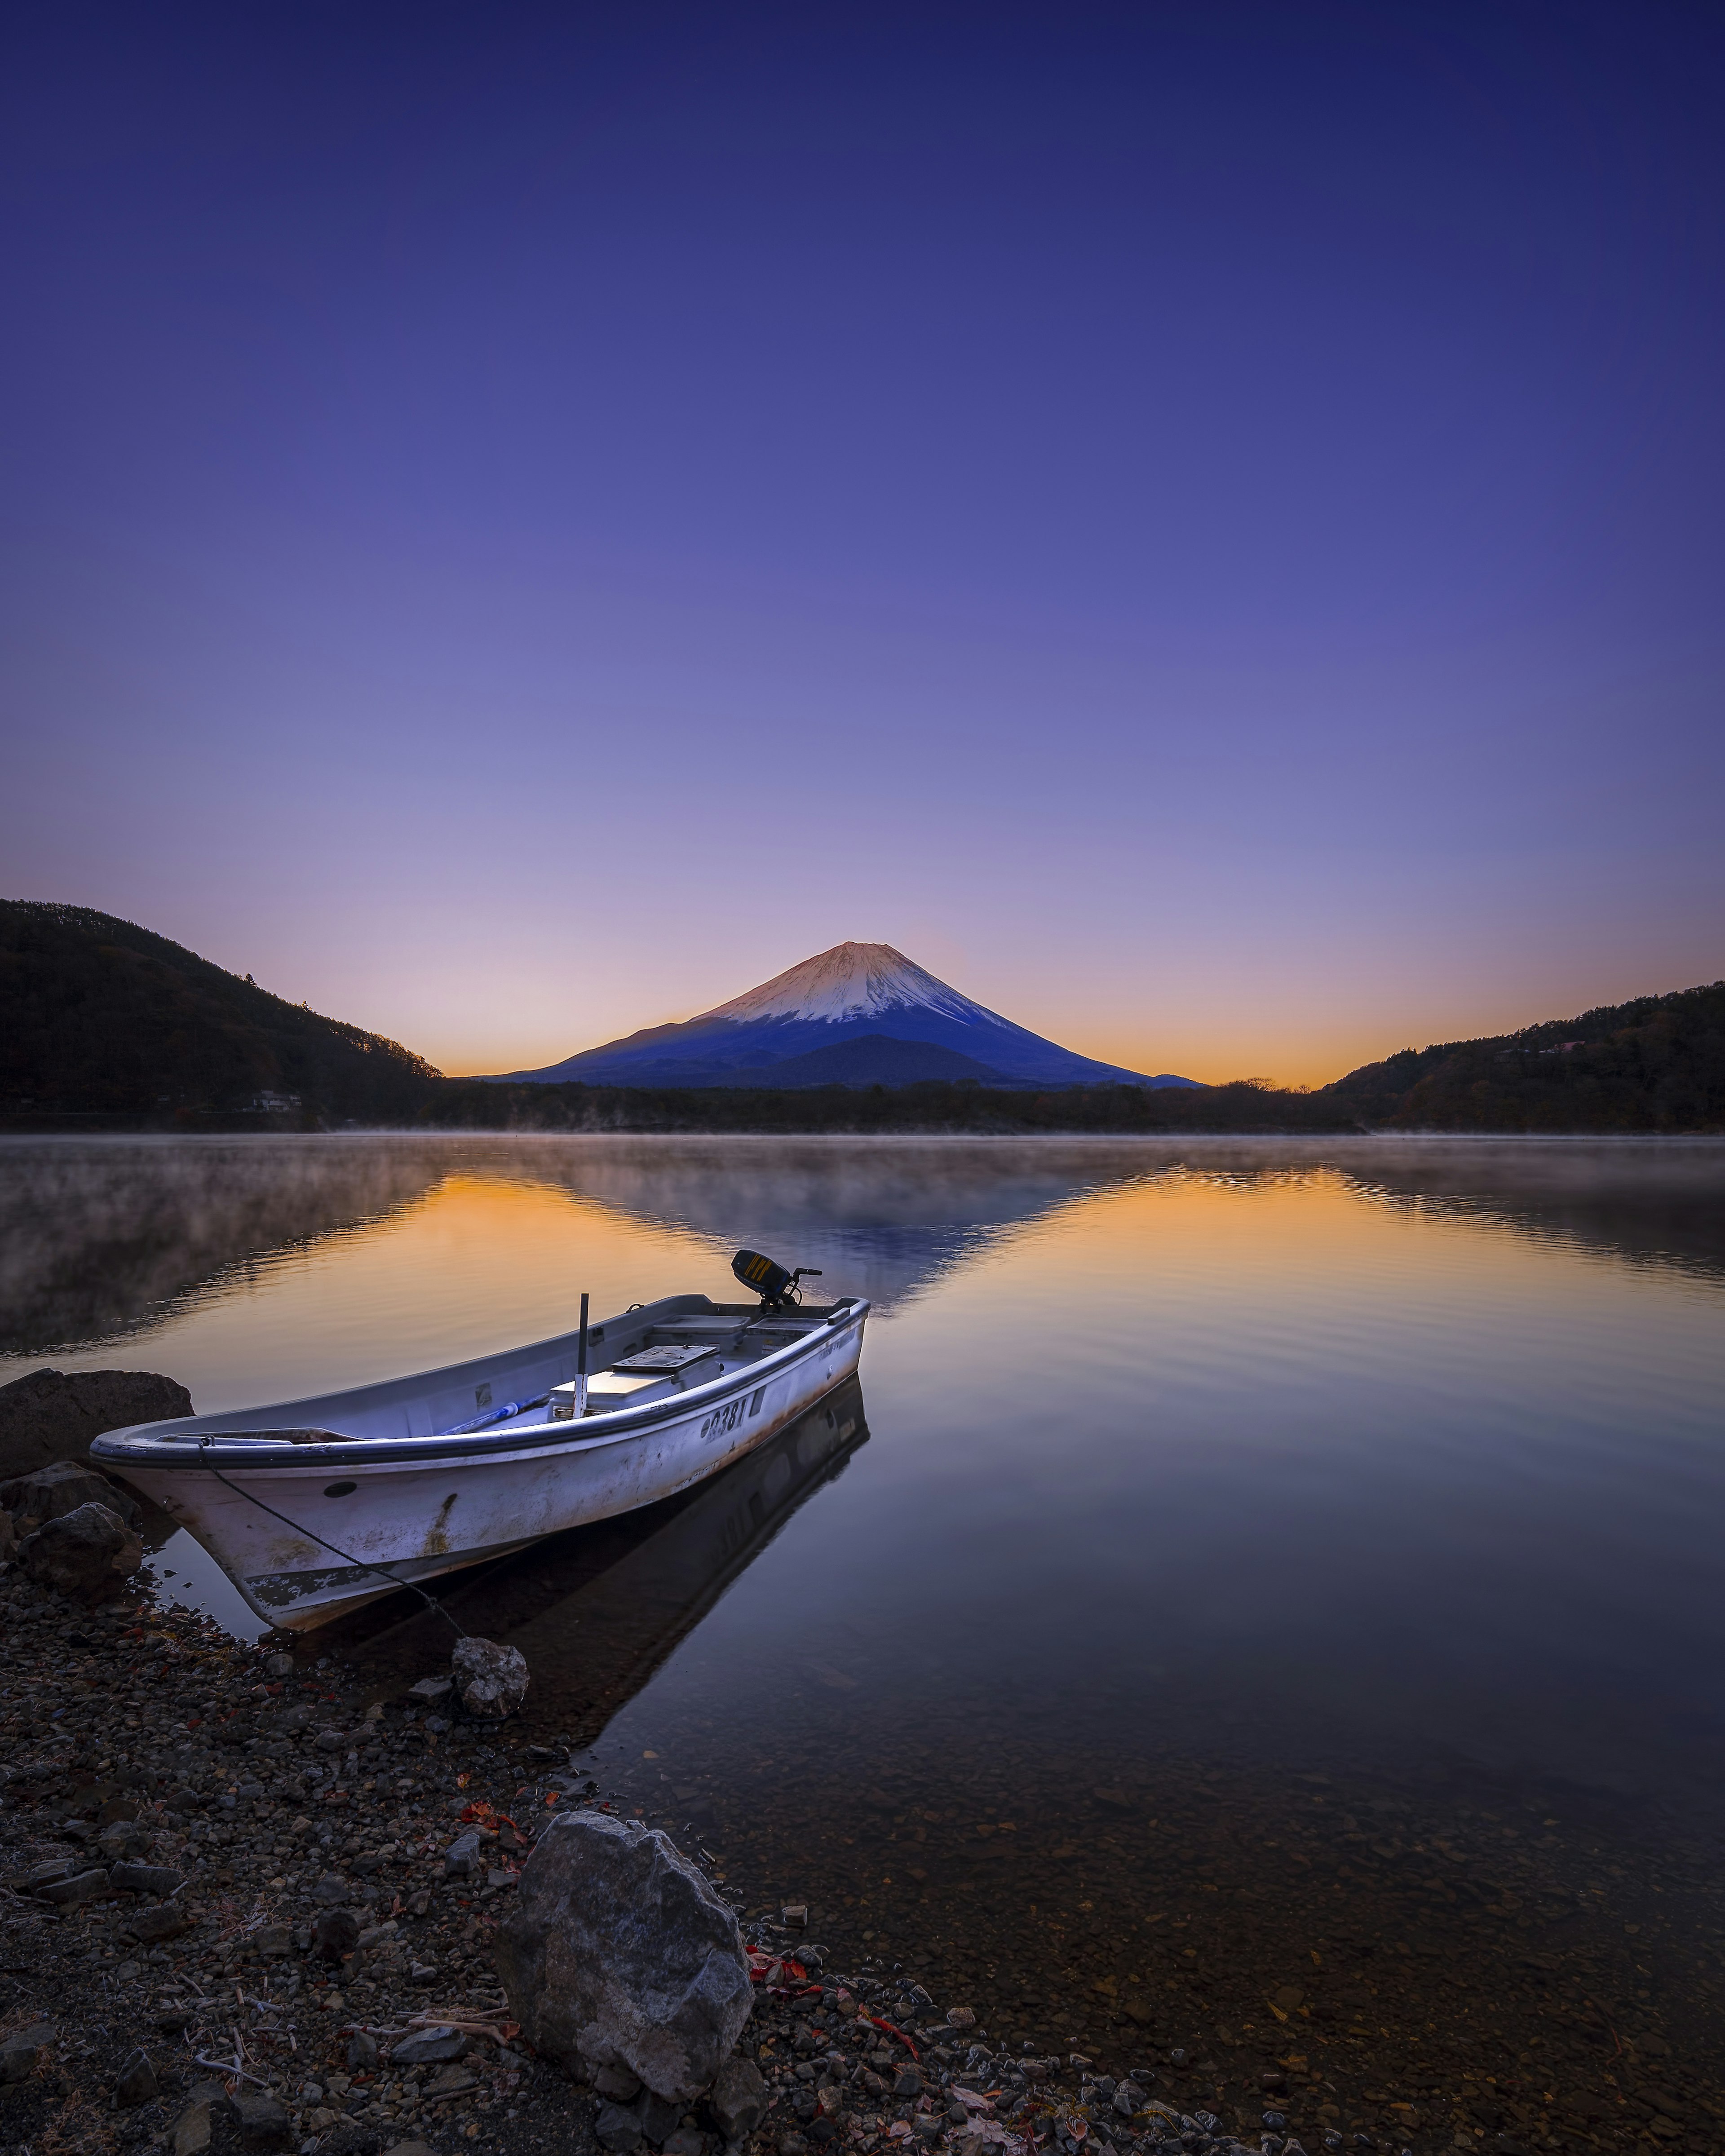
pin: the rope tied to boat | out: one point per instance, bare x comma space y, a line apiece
431, 1602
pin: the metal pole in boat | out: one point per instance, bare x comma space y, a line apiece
581, 1366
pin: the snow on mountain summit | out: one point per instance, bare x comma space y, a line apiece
850, 981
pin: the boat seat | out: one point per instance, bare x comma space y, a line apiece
719, 1331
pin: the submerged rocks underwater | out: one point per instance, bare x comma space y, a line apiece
245, 1906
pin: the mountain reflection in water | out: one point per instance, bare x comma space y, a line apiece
101, 1239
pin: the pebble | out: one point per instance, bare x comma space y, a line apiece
136, 2081
335, 1934
429, 2047
264, 2122
616, 2127
463, 1856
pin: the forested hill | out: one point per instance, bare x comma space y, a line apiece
1657, 1064
102, 1020
106, 1025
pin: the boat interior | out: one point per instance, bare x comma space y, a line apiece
629, 1366
641, 1356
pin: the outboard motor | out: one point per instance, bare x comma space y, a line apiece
777, 1288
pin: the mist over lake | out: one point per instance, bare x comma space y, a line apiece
1350, 1448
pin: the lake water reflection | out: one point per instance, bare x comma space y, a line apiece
1221, 1530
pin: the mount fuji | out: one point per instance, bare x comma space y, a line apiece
861, 1013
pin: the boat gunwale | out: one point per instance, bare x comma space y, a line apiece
172, 1445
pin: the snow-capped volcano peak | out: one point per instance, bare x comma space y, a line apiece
850, 981
859, 1014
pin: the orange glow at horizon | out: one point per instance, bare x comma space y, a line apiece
1292, 1027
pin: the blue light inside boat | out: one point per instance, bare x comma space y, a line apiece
497, 1414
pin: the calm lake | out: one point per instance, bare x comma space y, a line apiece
1242, 1565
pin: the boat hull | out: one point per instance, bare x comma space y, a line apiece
300, 1528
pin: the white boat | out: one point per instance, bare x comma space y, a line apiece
313, 1507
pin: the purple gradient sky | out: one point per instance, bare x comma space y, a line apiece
1203, 524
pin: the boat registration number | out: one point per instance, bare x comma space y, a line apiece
724, 1419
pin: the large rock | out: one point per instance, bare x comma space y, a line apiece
48, 1415
87, 1554
618, 1954
49, 1493
491, 1680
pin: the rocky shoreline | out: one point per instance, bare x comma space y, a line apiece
249, 1898
245, 1906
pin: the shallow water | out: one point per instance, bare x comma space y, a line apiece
1244, 1568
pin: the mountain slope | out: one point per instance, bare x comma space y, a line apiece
843, 994
1657, 1064
874, 1059
100, 1018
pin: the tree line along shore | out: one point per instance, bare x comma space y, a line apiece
104, 1026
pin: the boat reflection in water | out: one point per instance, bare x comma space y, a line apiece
597, 1611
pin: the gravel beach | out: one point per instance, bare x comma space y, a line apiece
249, 1903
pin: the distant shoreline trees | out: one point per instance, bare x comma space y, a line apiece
105, 1025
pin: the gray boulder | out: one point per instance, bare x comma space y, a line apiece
87, 1554
48, 1415
50, 1492
491, 1680
618, 1954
